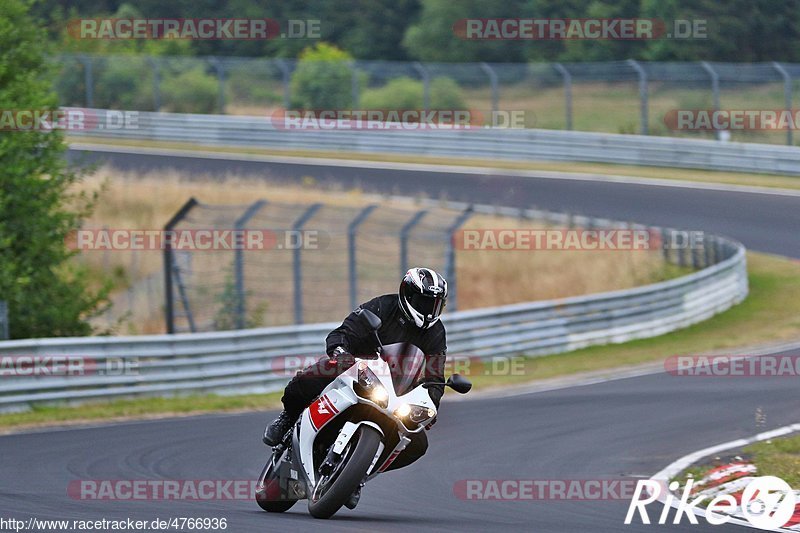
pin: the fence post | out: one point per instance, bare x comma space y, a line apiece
450, 261
220, 68
298, 273
88, 79
286, 75
354, 89
567, 92
714, 87
495, 90
3, 320
426, 80
404, 232
238, 264
156, 82
643, 122
787, 96
351, 251
169, 297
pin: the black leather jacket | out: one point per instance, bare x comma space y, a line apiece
355, 336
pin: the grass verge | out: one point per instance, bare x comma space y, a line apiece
779, 457
771, 313
720, 177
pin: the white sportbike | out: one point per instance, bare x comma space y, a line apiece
353, 431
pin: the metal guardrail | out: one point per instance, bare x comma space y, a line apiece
489, 143
242, 361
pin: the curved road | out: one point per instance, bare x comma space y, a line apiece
622, 429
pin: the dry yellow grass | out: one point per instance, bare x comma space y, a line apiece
146, 201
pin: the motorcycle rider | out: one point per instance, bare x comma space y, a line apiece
410, 316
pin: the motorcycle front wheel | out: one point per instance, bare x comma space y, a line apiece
334, 489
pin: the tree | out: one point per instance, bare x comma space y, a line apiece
47, 294
434, 39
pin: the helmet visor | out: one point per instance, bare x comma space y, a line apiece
427, 306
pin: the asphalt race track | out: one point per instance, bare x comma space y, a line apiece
623, 429
761, 222
612, 430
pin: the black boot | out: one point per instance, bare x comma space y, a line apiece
352, 501
274, 433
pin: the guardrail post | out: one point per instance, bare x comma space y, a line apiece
88, 79
286, 76
298, 273
787, 96
238, 264
220, 69
404, 232
156, 82
3, 320
714, 87
495, 89
169, 303
567, 92
426, 80
450, 258
643, 120
351, 252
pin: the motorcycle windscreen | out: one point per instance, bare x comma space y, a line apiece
406, 364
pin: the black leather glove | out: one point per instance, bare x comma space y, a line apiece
342, 357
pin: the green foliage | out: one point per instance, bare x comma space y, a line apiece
399, 93
433, 38
47, 295
323, 79
407, 93
123, 83
446, 94
191, 91
228, 300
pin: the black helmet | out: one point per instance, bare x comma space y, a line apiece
422, 295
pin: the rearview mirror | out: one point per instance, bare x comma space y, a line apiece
372, 320
459, 383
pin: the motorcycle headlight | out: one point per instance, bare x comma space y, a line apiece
369, 386
415, 414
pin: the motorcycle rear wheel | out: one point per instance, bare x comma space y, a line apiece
331, 494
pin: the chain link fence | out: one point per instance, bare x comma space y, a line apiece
614, 96
312, 262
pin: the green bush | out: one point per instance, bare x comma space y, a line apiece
399, 93
191, 91
408, 93
123, 83
446, 94
323, 79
